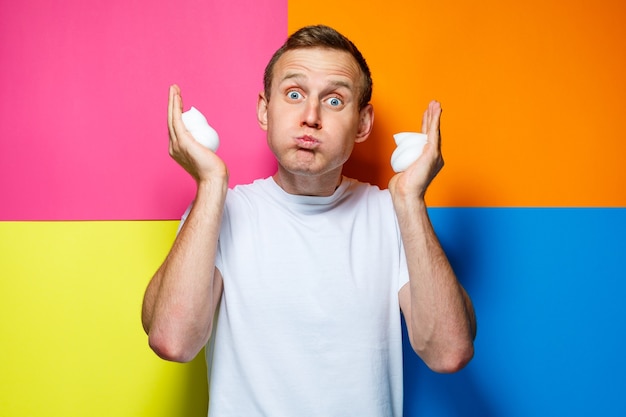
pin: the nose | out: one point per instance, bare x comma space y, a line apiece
311, 116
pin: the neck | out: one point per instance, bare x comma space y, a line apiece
320, 186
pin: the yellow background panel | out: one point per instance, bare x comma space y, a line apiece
73, 345
534, 94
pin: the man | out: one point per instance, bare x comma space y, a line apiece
298, 280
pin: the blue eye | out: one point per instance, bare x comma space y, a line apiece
334, 101
294, 95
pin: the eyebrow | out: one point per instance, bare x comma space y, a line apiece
333, 83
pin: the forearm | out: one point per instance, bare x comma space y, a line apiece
438, 312
181, 299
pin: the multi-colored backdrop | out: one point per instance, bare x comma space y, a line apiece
531, 206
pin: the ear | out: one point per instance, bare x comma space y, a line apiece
261, 110
366, 122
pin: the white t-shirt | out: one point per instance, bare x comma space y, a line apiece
309, 322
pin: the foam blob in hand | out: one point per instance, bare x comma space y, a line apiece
202, 132
409, 148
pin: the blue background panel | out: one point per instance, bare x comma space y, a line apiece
548, 287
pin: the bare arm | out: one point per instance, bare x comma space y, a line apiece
180, 301
438, 312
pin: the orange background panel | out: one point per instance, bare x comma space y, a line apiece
534, 94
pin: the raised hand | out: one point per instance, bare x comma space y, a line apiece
415, 180
201, 163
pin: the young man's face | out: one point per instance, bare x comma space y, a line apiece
313, 118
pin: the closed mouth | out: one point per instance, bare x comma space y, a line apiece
307, 142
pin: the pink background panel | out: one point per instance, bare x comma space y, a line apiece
83, 132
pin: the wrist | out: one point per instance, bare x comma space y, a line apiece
408, 201
213, 189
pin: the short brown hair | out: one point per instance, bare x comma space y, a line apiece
320, 36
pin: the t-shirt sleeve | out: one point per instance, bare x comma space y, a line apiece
403, 270
184, 218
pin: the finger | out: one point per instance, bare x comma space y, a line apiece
170, 112
176, 104
434, 109
425, 122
